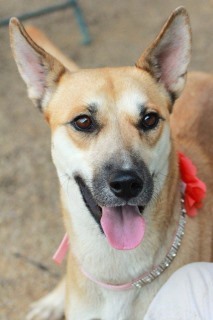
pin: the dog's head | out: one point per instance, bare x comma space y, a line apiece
110, 127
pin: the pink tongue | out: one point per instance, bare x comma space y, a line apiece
123, 226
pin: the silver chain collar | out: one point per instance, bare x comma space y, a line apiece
158, 270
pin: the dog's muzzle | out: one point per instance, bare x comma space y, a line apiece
116, 198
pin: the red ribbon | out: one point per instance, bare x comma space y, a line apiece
195, 189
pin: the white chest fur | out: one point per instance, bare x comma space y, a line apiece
110, 306
119, 305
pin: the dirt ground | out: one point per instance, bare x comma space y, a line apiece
30, 222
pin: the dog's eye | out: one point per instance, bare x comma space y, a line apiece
83, 123
149, 121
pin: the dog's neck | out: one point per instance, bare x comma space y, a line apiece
156, 271
90, 248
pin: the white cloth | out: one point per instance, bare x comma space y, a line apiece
187, 295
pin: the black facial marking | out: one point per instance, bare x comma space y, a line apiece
142, 109
173, 98
94, 209
103, 192
93, 108
136, 181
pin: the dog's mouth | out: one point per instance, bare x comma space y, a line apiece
123, 226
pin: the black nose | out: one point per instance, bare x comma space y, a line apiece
125, 184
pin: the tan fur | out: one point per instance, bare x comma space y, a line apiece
93, 88
192, 133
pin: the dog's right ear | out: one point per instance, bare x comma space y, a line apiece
40, 71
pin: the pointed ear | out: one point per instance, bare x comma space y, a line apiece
39, 70
168, 57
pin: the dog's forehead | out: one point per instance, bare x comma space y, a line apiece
113, 89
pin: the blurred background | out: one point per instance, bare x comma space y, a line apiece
30, 223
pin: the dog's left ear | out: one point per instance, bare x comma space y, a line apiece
168, 57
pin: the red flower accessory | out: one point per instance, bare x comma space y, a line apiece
195, 189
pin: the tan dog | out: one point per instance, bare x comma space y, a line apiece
116, 159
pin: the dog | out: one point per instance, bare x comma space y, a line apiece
115, 137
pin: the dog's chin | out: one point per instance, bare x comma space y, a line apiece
94, 207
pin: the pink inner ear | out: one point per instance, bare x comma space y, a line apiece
34, 71
30, 66
171, 64
172, 52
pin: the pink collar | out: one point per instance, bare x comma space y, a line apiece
194, 192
